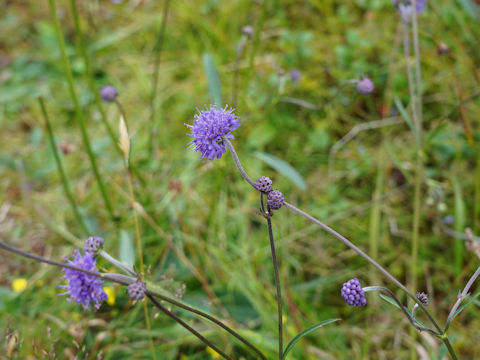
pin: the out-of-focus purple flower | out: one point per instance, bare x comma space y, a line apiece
365, 86
92, 245
108, 93
275, 200
449, 220
263, 184
353, 294
295, 75
247, 30
405, 7
136, 290
208, 129
85, 289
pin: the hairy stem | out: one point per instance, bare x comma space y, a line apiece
277, 285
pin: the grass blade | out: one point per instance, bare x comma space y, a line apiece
283, 168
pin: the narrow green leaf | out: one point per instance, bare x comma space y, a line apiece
405, 116
458, 246
213, 79
283, 168
127, 255
389, 300
292, 343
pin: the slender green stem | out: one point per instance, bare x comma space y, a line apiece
78, 109
88, 69
127, 280
63, 176
476, 211
188, 327
277, 285
157, 58
449, 346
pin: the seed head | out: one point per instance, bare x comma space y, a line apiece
353, 294
136, 290
263, 184
208, 129
108, 93
275, 200
92, 245
365, 86
85, 289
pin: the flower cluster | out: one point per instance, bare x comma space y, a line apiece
92, 245
353, 294
209, 128
83, 288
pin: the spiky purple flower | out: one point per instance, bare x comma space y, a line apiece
275, 200
92, 245
365, 86
85, 289
109, 93
208, 129
353, 294
263, 184
136, 290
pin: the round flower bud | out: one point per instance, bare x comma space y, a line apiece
275, 200
108, 93
263, 184
353, 294
365, 86
247, 30
92, 245
136, 290
423, 298
448, 220
295, 75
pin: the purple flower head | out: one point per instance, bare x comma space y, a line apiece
353, 294
81, 287
275, 200
365, 86
136, 290
405, 7
108, 93
208, 129
295, 75
263, 184
247, 30
423, 298
92, 245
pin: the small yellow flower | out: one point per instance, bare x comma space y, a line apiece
214, 354
111, 295
18, 285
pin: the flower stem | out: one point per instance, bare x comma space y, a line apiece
277, 285
188, 327
63, 176
78, 109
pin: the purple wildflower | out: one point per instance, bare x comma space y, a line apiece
82, 287
365, 86
295, 75
208, 129
92, 245
275, 200
136, 290
353, 294
263, 184
247, 30
405, 7
109, 93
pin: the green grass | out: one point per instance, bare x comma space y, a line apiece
220, 258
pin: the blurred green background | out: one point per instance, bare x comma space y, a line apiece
203, 236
